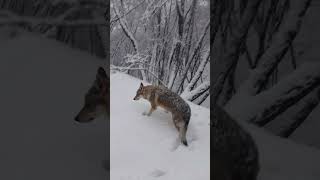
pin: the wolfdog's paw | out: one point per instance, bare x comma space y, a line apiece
145, 114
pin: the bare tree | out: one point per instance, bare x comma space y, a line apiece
261, 98
174, 53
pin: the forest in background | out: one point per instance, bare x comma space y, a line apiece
81, 24
264, 54
264, 70
163, 42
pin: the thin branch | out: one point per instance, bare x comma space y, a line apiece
115, 19
12, 18
130, 68
293, 57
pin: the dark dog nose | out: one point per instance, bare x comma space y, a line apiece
76, 118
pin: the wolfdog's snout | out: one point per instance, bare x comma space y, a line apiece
135, 98
78, 119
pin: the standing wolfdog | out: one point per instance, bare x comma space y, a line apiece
170, 101
235, 154
97, 99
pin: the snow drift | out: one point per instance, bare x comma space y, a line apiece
144, 147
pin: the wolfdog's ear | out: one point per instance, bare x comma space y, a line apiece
101, 78
141, 85
101, 73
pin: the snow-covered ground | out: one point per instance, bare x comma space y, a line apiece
143, 148
42, 87
283, 159
43, 83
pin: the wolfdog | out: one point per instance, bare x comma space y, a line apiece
171, 102
235, 155
97, 99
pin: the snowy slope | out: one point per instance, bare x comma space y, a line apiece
308, 132
282, 159
144, 147
42, 87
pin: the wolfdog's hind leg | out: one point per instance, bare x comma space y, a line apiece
182, 133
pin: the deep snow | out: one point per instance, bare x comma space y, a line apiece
283, 159
42, 87
143, 147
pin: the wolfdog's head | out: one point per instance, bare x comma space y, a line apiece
97, 98
140, 92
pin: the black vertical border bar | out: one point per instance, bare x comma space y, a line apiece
211, 83
107, 63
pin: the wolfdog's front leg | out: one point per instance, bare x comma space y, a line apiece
153, 108
149, 113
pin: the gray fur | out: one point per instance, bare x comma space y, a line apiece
170, 101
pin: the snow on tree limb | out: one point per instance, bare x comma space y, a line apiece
299, 113
51, 21
118, 68
54, 22
264, 107
277, 49
9, 17
201, 99
195, 52
125, 29
230, 57
133, 40
198, 91
128, 12
198, 74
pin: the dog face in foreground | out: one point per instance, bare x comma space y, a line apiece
96, 101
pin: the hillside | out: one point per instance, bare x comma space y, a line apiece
145, 147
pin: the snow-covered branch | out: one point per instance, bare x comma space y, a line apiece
264, 107
230, 57
131, 37
198, 74
119, 68
195, 53
9, 18
117, 18
198, 91
125, 29
295, 116
277, 49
